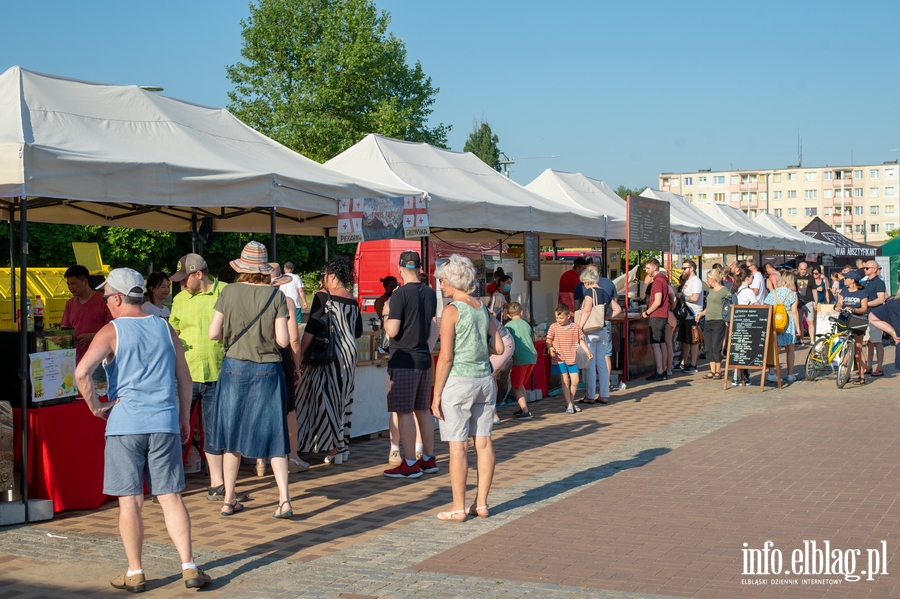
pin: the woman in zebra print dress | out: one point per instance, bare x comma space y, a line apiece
325, 394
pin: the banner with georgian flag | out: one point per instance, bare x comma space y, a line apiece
369, 219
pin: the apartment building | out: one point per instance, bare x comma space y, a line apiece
861, 202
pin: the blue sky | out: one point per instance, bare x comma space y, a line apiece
619, 91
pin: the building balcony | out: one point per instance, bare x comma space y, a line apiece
845, 202
749, 186
845, 218
846, 182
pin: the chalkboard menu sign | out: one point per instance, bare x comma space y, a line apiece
532, 257
747, 342
648, 224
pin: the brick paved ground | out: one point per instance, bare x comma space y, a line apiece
697, 473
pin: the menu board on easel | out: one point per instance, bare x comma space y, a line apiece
752, 344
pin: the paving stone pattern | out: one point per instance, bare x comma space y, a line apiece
697, 472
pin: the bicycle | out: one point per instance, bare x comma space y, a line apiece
835, 350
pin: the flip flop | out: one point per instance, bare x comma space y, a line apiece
235, 508
449, 516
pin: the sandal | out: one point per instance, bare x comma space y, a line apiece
878, 372
482, 511
709, 376
603, 400
283, 515
234, 508
859, 382
296, 465
718, 376
451, 516
586, 400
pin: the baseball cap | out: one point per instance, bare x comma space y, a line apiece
124, 280
188, 264
410, 259
852, 274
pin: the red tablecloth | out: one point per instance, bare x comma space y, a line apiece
541, 370
65, 455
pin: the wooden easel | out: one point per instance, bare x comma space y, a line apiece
758, 348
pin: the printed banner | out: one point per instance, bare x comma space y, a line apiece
369, 219
53, 374
685, 244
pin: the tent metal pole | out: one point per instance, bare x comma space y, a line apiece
327, 231
604, 249
423, 248
23, 343
12, 264
273, 226
194, 233
555, 255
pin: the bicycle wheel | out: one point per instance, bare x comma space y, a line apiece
815, 361
845, 363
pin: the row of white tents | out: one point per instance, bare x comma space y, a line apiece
88, 153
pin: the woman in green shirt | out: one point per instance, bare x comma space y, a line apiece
714, 327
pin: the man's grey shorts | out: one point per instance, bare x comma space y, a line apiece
129, 459
468, 407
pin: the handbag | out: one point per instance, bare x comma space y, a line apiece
695, 334
321, 350
596, 319
252, 322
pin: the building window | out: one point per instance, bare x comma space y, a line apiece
745, 178
792, 212
889, 208
674, 182
873, 210
838, 228
857, 192
763, 196
828, 211
811, 212
735, 196
873, 192
689, 196
858, 210
688, 181
735, 179
873, 228
827, 175
859, 228
701, 180
809, 194
873, 174
752, 214
777, 211
776, 195
792, 194
745, 196
857, 174
776, 178
701, 197
809, 176
888, 227
828, 194
890, 191
890, 173
792, 176
719, 180
718, 197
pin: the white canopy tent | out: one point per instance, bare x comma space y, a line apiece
779, 226
717, 236
579, 190
467, 198
764, 238
92, 153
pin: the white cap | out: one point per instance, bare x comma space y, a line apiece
125, 280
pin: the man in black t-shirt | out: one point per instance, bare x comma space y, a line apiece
806, 292
410, 324
876, 291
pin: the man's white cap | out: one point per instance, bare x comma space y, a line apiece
125, 280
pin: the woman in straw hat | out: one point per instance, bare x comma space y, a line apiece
251, 319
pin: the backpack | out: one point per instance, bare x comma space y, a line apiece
681, 310
321, 351
780, 315
727, 302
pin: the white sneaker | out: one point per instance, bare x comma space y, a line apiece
735, 383
771, 378
790, 378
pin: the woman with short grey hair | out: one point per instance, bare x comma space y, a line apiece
596, 298
464, 390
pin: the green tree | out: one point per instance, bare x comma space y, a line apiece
893, 233
483, 143
623, 191
319, 75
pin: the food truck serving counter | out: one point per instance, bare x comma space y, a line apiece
631, 350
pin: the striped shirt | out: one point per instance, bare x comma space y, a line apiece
564, 340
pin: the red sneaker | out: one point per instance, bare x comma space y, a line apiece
404, 471
428, 466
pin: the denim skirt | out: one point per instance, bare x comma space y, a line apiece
249, 410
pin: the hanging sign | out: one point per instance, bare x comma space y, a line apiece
369, 219
647, 223
685, 244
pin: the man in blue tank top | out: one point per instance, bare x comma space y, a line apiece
147, 421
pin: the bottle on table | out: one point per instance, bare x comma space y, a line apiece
38, 313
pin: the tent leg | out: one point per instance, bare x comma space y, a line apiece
604, 249
23, 343
555, 255
12, 266
327, 231
193, 233
273, 226
424, 242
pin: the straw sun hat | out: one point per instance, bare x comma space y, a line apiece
254, 260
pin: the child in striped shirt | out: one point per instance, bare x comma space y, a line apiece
562, 342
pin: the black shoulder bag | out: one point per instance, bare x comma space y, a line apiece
321, 351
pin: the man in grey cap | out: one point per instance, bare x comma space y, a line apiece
192, 311
147, 421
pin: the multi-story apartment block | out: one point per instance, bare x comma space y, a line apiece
861, 202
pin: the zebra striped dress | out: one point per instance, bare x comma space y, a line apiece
324, 397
